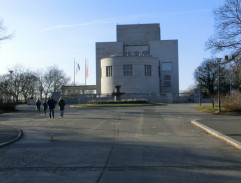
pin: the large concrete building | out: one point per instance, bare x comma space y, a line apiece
139, 61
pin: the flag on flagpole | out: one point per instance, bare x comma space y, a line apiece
86, 68
77, 69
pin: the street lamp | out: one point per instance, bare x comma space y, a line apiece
11, 80
219, 101
199, 68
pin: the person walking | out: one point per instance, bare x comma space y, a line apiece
38, 104
45, 107
61, 106
51, 103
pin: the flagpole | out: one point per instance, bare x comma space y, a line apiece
74, 71
85, 71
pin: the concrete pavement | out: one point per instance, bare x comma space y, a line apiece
122, 144
9, 135
224, 127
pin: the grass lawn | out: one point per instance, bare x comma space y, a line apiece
115, 105
210, 109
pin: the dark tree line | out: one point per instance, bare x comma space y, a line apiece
226, 40
20, 84
208, 74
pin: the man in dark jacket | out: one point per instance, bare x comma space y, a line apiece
51, 103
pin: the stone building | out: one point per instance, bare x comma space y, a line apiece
139, 61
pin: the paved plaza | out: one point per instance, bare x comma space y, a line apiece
148, 144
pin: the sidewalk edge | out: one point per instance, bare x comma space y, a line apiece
217, 134
20, 133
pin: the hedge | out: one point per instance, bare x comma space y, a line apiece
7, 106
128, 101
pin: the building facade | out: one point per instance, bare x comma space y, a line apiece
139, 61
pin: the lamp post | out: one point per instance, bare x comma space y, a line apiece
11, 81
219, 101
199, 68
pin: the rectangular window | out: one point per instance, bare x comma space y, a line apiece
108, 71
167, 80
167, 66
137, 53
146, 53
167, 83
167, 77
147, 70
127, 70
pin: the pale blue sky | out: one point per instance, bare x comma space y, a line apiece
54, 32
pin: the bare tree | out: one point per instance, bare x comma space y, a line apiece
6, 89
3, 32
207, 77
235, 74
28, 84
53, 80
228, 28
16, 76
21, 83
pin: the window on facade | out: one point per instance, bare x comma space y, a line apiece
137, 53
147, 70
167, 77
146, 53
108, 71
167, 80
127, 70
167, 83
167, 66
127, 53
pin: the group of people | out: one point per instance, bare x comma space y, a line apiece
51, 103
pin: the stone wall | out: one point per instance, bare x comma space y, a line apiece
152, 98
144, 39
167, 52
137, 82
138, 34
103, 50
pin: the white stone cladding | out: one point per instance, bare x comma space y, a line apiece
138, 34
135, 83
138, 45
167, 51
103, 50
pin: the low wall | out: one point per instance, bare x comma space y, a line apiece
153, 98
31, 101
84, 98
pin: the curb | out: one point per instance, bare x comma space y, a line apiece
20, 133
217, 134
